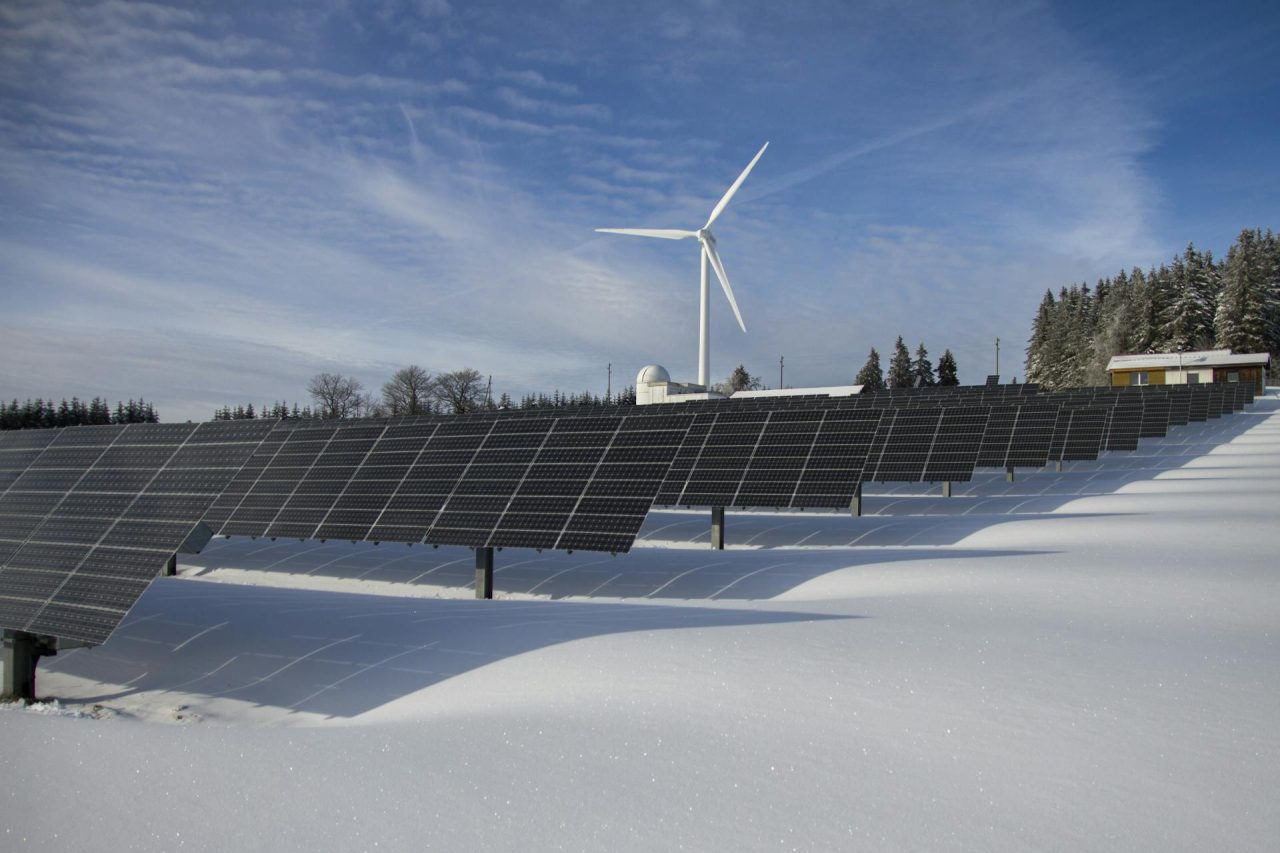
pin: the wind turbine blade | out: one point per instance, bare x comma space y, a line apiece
664, 233
719, 208
710, 249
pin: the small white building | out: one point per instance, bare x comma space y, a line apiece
654, 385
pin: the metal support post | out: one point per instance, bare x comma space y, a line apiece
484, 573
717, 528
171, 567
1057, 465
855, 505
1008, 474
946, 488
21, 653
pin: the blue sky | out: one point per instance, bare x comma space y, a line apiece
210, 203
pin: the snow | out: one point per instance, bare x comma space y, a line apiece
1083, 660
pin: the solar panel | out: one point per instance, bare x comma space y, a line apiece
390, 498
99, 512
326, 479
1217, 399
835, 465
723, 457
621, 489
18, 449
1126, 424
1242, 394
926, 444
1155, 415
567, 483
478, 481
279, 476
1180, 406
686, 457
1084, 433
1029, 444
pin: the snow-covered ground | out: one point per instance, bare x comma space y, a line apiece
1086, 660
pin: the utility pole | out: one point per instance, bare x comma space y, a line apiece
488, 394
608, 388
997, 357
780, 360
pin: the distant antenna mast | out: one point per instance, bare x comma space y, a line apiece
488, 393
997, 356
608, 388
780, 358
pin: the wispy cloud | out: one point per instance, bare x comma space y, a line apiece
246, 197
523, 103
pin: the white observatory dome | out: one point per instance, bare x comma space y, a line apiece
652, 373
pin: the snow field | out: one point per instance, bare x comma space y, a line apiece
1083, 660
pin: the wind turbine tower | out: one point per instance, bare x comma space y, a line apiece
708, 256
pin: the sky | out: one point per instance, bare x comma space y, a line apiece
208, 204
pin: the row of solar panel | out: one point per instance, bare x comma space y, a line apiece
88, 515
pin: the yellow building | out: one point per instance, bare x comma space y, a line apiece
1178, 368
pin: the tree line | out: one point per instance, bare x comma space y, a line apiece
905, 371
1191, 303
43, 414
413, 390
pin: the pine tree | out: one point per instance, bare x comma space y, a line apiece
922, 369
1038, 346
900, 367
1142, 335
1271, 277
1161, 293
870, 376
1205, 280
1184, 317
947, 369
1245, 303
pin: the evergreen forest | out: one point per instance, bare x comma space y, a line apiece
1191, 303
41, 414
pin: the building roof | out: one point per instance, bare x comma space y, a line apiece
825, 391
1204, 358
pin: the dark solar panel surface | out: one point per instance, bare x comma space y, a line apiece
1155, 415
1217, 400
98, 512
1018, 436
1126, 424
1083, 438
783, 458
577, 481
926, 445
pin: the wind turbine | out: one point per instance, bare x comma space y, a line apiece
708, 255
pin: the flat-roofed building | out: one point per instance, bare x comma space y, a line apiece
1179, 368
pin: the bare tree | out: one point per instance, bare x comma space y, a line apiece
369, 406
409, 391
335, 396
460, 391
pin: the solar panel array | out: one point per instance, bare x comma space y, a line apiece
574, 482
98, 511
89, 515
801, 457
